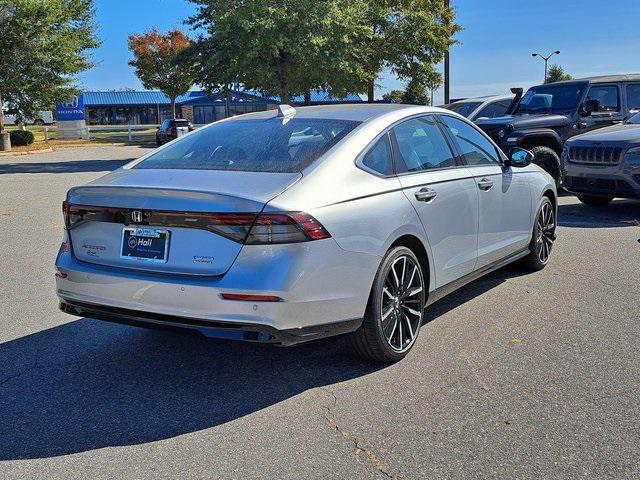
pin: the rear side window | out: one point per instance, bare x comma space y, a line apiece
378, 158
474, 147
253, 145
422, 146
495, 109
607, 96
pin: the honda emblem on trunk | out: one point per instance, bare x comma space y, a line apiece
136, 216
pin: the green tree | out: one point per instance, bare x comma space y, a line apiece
557, 74
409, 37
159, 62
415, 93
43, 44
282, 47
394, 96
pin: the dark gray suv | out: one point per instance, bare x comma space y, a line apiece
603, 164
548, 115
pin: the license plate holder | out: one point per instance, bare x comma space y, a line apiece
145, 244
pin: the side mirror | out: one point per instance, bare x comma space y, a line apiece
588, 107
519, 157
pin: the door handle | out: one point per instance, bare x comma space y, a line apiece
485, 184
426, 194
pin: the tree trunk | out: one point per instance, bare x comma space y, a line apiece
173, 107
307, 98
370, 92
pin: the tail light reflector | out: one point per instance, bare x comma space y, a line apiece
251, 298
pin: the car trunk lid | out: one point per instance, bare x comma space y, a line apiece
169, 213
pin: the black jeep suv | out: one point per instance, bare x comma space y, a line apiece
547, 115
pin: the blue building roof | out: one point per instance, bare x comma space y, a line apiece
146, 97
155, 97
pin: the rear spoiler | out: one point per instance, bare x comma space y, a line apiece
514, 103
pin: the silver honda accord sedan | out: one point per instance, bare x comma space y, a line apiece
291, 225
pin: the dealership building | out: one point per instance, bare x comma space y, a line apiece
152, 107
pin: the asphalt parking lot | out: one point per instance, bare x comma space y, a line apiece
515, 376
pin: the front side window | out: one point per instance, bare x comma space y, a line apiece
474, 147
606, 96
378, 158
253, 145
422, 146
633, 96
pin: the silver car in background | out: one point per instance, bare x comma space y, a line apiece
291, 225
481, 107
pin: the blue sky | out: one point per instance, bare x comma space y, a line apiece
594, 37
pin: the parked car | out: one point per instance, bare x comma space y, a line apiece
604, 164
481, 107
168, 130
289, 226
45, 117
547, 115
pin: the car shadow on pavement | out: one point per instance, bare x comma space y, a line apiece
88, 384
75, 166
472, 290
619, 213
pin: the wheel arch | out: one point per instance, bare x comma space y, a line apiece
541, 138
416, 245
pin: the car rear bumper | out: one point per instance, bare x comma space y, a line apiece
318, 282
224, 330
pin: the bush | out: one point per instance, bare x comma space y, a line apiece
20, 138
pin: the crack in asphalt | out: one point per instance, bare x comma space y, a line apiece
358, 449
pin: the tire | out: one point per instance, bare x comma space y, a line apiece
594, 200
544, 234
548, 160
38, 122
395, 309
158, 142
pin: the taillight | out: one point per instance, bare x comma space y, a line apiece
293, 227
247, 228
65, 213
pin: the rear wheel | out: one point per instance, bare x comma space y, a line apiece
39, 122
548, 159
393, 316
595, 200
544, 234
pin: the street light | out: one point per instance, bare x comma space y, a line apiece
546, 59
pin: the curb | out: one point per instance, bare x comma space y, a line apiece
25, 152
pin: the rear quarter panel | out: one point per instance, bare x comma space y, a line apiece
364, 213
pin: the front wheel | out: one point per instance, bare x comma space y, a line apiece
594, 200
548, 159
393, 316
544, 234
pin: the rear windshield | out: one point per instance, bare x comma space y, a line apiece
463, 108
259, 145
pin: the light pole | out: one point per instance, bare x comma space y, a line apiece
546, 59
447, 80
